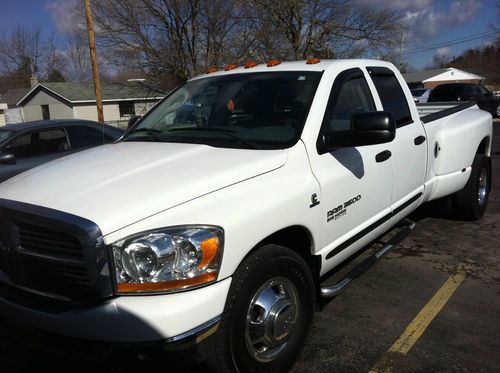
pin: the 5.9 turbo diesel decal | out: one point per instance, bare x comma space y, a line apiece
341, 210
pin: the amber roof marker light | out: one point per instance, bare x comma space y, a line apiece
272, 63
250, 64
231, 66
212, 70
313, 61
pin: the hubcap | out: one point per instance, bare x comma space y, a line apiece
498, 111
483, 187
271, 319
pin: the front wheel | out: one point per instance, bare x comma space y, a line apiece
268, 313
472, 200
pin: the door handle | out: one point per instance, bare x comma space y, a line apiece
419, 140
383, 156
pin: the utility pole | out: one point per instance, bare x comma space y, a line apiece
401, 52
93, 60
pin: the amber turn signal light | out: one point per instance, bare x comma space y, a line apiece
313, 61
272, 63
231, 66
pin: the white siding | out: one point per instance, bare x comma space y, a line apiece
141, 107
111, 112
58, 109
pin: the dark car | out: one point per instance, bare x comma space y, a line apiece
467, 92
26, 145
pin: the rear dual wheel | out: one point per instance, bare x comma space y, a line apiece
471, 202
268, 313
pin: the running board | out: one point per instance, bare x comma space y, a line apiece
339, 287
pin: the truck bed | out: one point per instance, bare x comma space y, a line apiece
436, 110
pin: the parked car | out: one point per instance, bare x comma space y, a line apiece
467, 92
29, 144
217, 227
420, 95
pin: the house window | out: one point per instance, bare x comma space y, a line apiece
127, 108
45, 112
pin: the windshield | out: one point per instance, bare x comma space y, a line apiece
251, 110
5, 134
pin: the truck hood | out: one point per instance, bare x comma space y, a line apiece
118, 184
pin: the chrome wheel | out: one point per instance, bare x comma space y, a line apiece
483, 187
498, 111
271, 319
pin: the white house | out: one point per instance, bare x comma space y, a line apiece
432, 78
3, 107
76, 100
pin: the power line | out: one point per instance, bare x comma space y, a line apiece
452, 42
480, 34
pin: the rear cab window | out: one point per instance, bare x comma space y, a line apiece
391, 94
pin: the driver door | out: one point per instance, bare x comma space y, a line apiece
356, 182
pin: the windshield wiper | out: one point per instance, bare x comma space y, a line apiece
153, 133
224, 131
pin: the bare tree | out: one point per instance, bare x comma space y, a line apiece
297, 29
76, 54
25, 52
172, 40
20, 53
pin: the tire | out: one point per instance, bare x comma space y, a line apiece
471, 202
282, 278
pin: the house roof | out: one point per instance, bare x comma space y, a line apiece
12, 96
83, 92
420, 76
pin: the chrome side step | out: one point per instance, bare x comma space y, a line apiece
334, 290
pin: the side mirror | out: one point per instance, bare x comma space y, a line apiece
133, 120
371, 128
7, 158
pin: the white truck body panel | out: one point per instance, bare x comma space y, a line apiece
131, 187
120, 180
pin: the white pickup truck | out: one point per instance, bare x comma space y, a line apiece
213, 221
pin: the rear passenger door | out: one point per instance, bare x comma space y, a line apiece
32, 149
409, 148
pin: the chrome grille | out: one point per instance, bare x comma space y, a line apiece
51, 254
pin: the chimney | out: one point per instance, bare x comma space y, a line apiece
33, 81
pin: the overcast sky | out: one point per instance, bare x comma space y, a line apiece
438, 24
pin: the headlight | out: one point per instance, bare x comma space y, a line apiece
168, 259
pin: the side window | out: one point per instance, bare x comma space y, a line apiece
45, 112
84, 137
483, 91
39, 143
391, 94
126, 108
20, 146
350, 95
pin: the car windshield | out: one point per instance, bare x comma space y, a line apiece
249, 110
5, 134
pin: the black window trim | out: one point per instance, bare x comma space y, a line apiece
342, 78
384, 71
